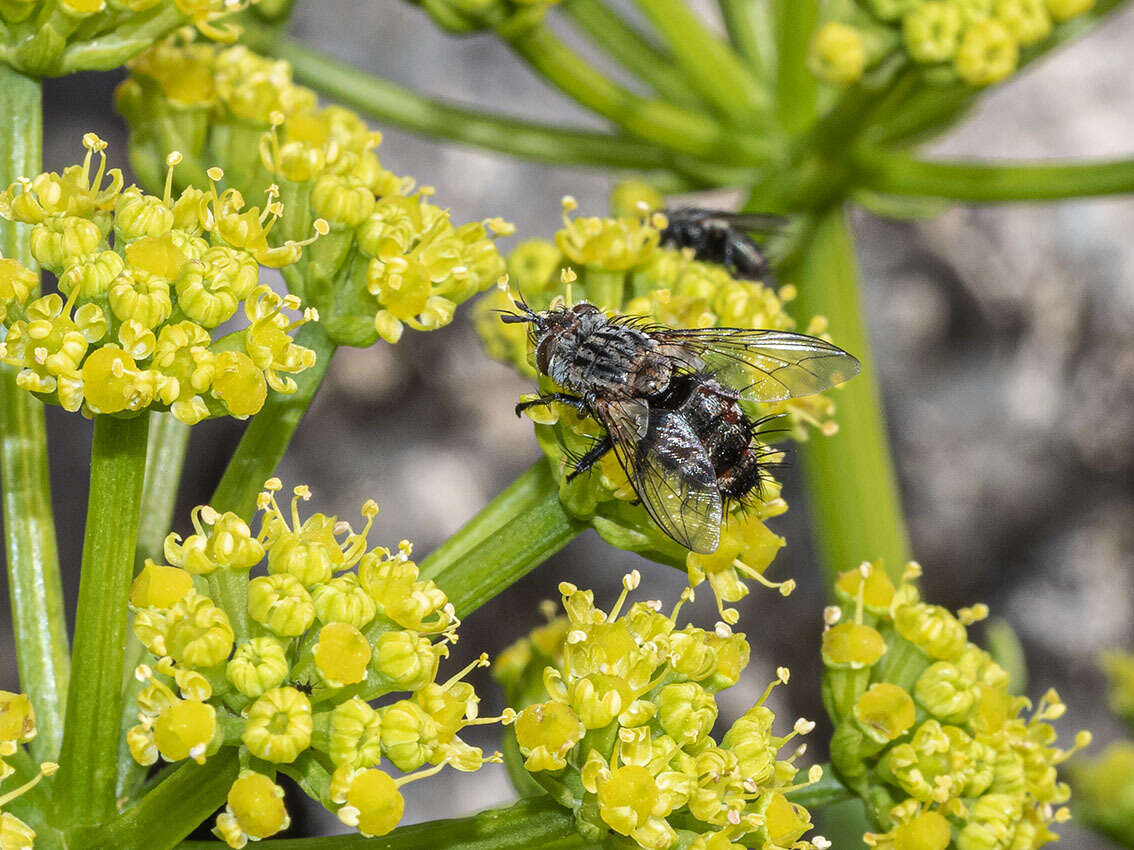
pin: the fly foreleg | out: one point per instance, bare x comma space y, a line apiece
593, 455
563, 398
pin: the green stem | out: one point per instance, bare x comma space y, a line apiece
825, 792
263, 445
30, 549
526, 825
88, 761
631, 49
514, 533
720, 76
793, 22
991, 182
172, 809
659, 122
750, 31
851, 486
384, 100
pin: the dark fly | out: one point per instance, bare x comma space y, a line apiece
721, 237
670, 403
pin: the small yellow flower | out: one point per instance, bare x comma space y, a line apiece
198, 632
255, 810
239, 384
342, 654
184, 730
932, 31
371, 800
987, 54
885, 712
17, 718
1064, 10
356, 730
852, 645
408, 659
278, 725
15, 834
159, 586
342, 600
546, 732
838, 54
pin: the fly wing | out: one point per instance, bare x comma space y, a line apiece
669, 468
752, 222
761, 365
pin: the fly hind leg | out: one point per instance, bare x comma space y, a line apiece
592, 456
563, 398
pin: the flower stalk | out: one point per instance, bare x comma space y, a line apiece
30, 550
512, 535
88, 762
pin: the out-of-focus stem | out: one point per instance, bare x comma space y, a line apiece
631, 49
29, 527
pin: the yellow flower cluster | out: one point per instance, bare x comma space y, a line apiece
47, 39
927, 730
978, 42
617, 264
332, 626
618, 711
391, 257
143, 283
17, 727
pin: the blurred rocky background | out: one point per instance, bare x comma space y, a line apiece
1004, 338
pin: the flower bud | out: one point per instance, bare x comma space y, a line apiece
278, 725
280, 603
259, 664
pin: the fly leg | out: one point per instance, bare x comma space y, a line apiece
593, 455
563, 398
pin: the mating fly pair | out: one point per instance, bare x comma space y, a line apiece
670, 399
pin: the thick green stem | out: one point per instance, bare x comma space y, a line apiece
991, 182
514, 533
526, 825
721, 77
387, 101
171, 809
29, 526
263, 445
88, 761
631, 49
851, 486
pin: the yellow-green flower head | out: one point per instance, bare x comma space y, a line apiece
17, 283
617, 265
838, 54
626, 707
1119, 669
297, 671
928, 733
254, 810
975, 42
110, 347
416, 264
1103, 786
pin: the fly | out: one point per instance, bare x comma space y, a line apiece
669, 401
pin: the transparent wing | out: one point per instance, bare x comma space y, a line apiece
669, 469
761, 365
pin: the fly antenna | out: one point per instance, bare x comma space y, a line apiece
523, 313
